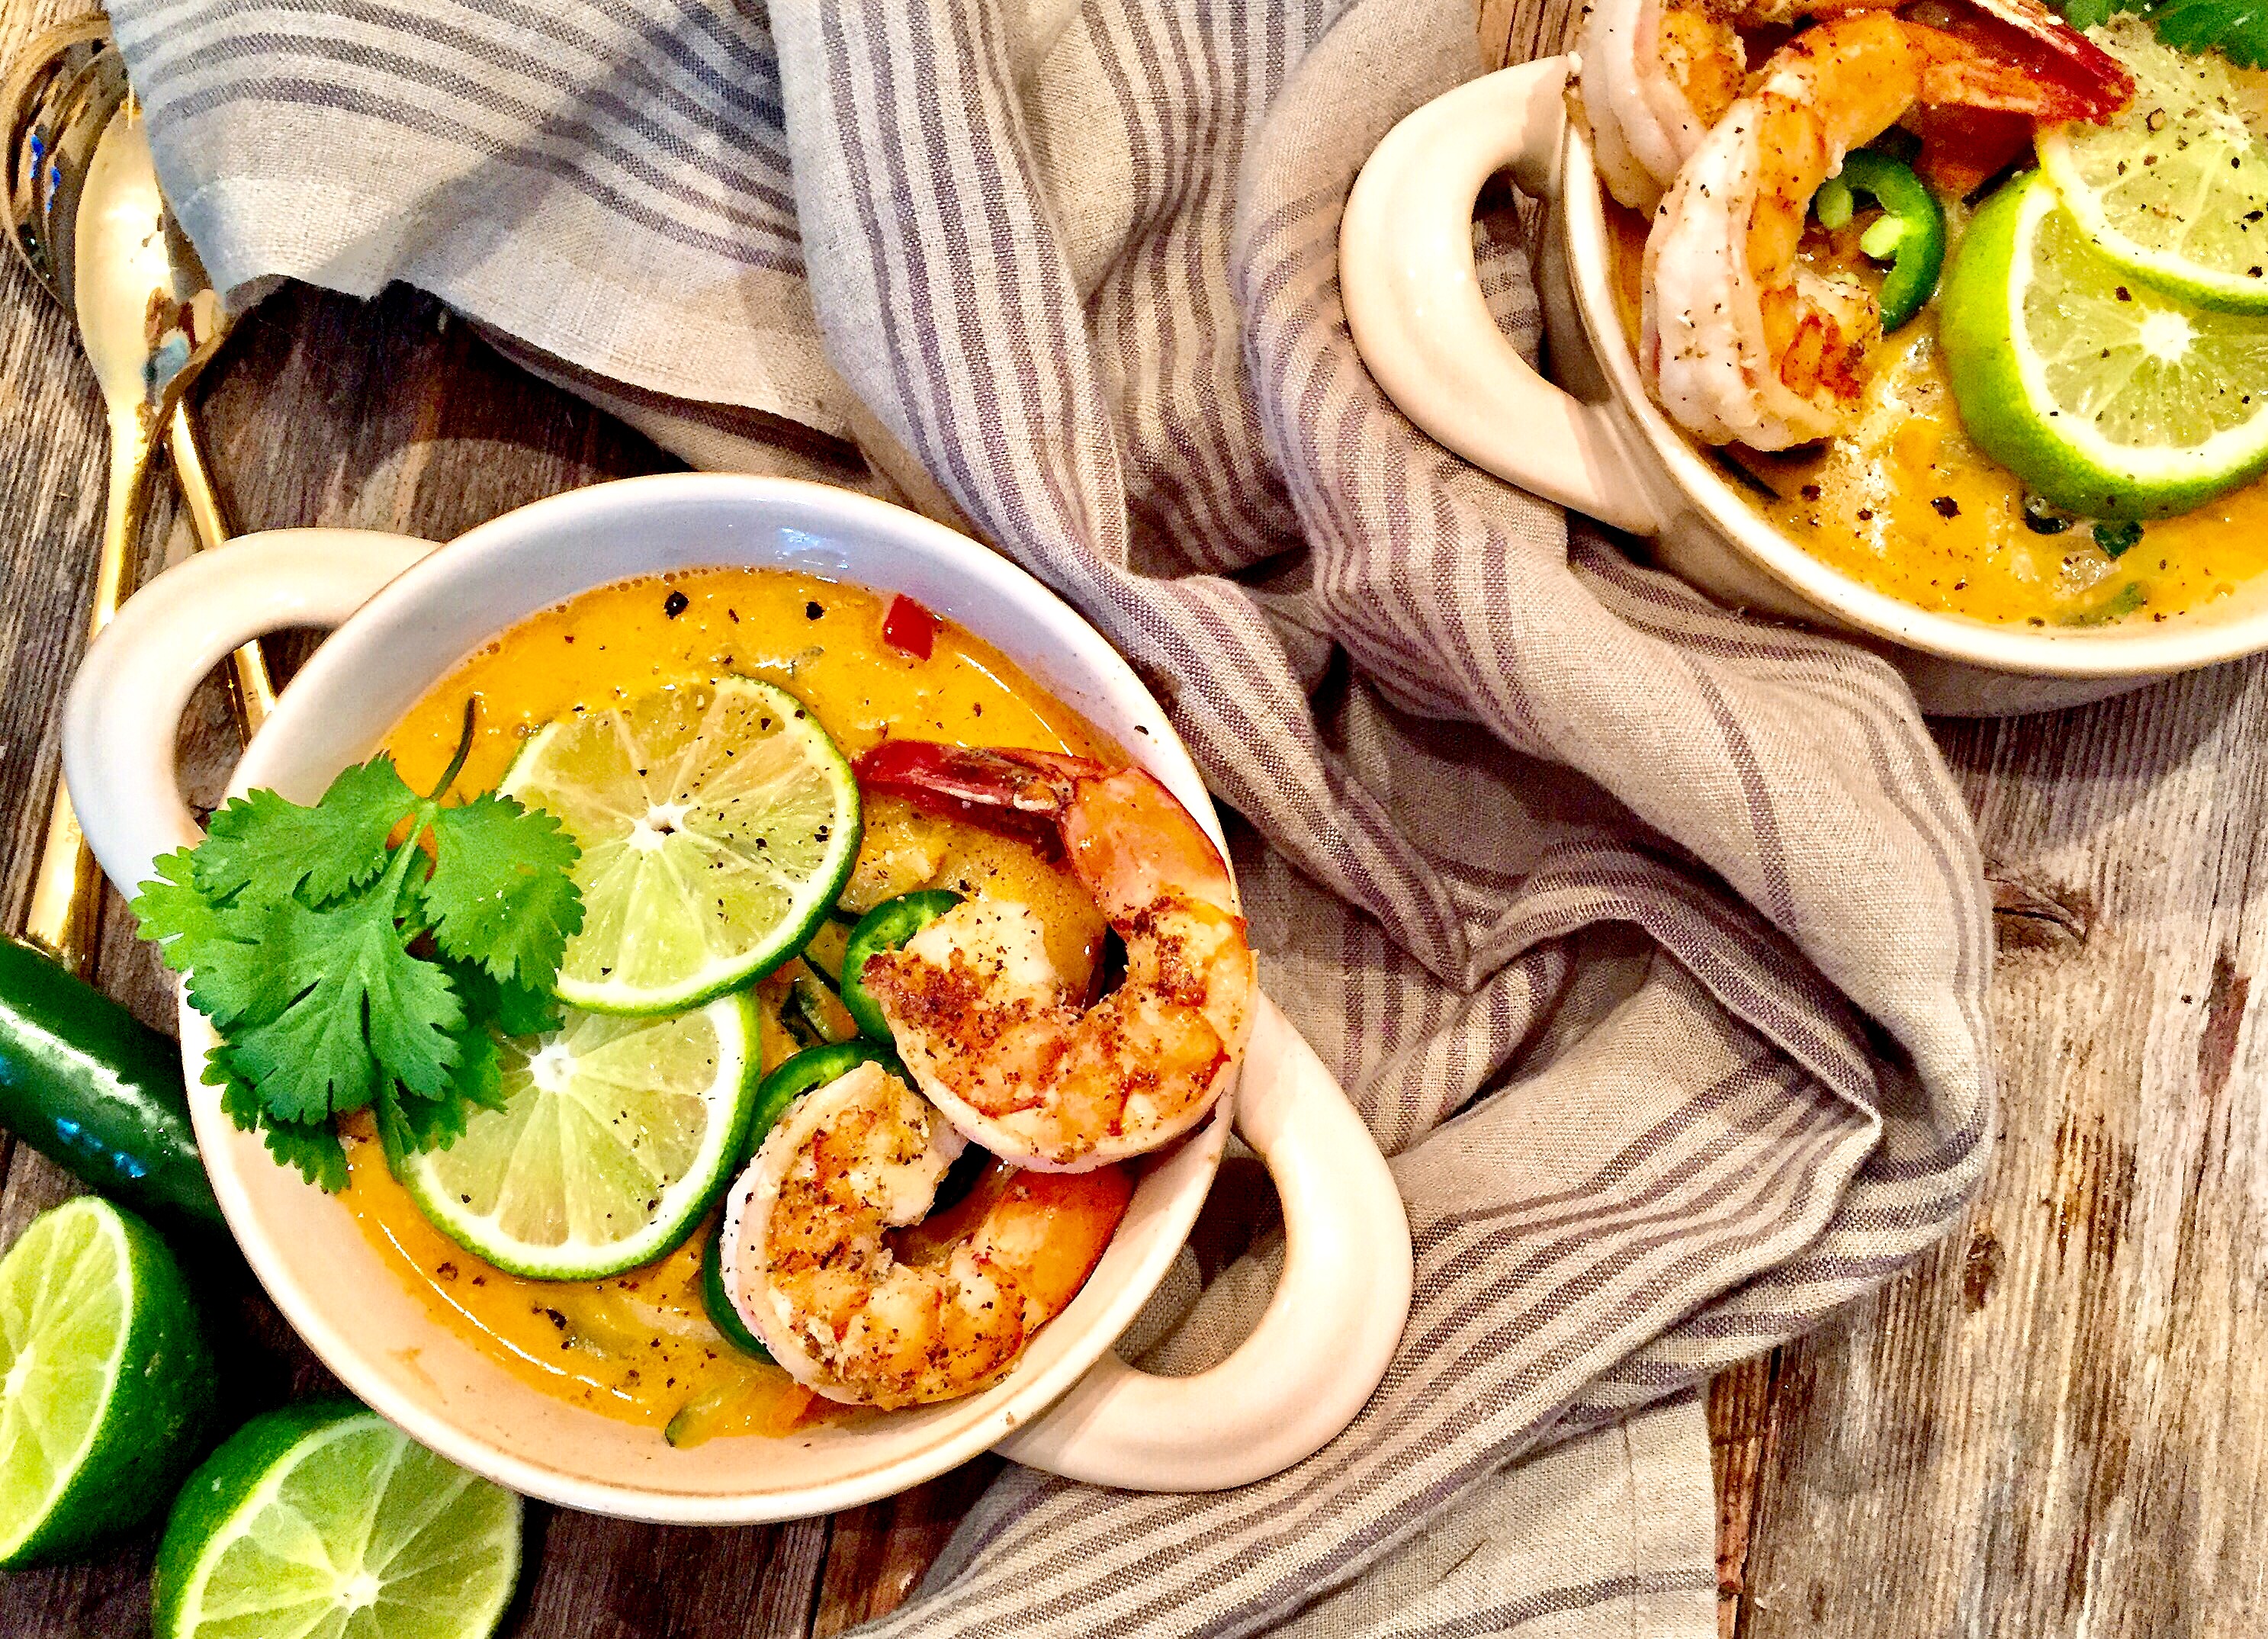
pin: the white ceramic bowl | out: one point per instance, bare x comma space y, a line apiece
406, 615
1601, 445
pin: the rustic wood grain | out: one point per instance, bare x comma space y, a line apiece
878, 1553
2055, 1428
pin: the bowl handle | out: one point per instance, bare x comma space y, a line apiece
1326, 1335
121, 725
1414, 303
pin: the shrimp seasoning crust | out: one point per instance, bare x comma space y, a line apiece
1656, 75
857, 1306
1053, 1079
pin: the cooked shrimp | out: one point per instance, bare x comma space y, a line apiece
1014, 1056
858, 1307
1658, 74
1741, 342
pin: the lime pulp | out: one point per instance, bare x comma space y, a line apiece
2107, 397
2173, 187
717, 824
322, 1520
106, 1383
616, 1134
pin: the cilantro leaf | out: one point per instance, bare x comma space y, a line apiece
500, 894
313, 1147
513, 1009
367, 1012
406, 1122
220, 948
266, 848
172, 911
347, 969
480, 1068
2238, 29
237, 1102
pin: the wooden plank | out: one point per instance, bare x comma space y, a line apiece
2054, 1427
604, 1578
876, 1553
2058, 1428
1739, 1432
1514, 31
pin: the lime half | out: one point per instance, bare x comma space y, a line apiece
718, 822
105, 1383
2108, 398
615, 1135
2175, 189
320, 1521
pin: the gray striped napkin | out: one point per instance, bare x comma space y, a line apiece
1651, 940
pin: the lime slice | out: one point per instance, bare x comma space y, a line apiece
717, 824
614, 1136
105, 1383
2106, 397
2175, 189
321, 1520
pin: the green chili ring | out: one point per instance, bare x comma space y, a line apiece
813, 1067
718, 1303
1911, 234
886, 927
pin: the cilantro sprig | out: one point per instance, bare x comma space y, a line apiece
2238, 29
365, 953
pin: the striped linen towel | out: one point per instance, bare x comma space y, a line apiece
1651, 941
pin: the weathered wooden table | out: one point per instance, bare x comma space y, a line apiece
2058, 1425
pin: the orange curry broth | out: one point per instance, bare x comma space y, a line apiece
638, 1346
1909, 505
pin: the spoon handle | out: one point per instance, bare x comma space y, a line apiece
251, 694
65, 883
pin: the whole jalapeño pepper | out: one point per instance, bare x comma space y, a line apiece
95, 1090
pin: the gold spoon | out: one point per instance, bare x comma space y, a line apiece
85, 205
45, 98
51, 116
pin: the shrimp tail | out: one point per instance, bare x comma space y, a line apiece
1022, 794
2074, 78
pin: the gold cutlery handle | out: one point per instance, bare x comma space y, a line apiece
65, 889
65, 884
251, 694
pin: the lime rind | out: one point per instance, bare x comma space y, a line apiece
718, 822
108, 1382
615, 1135
323, 1506
2174, 186
2107, 398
